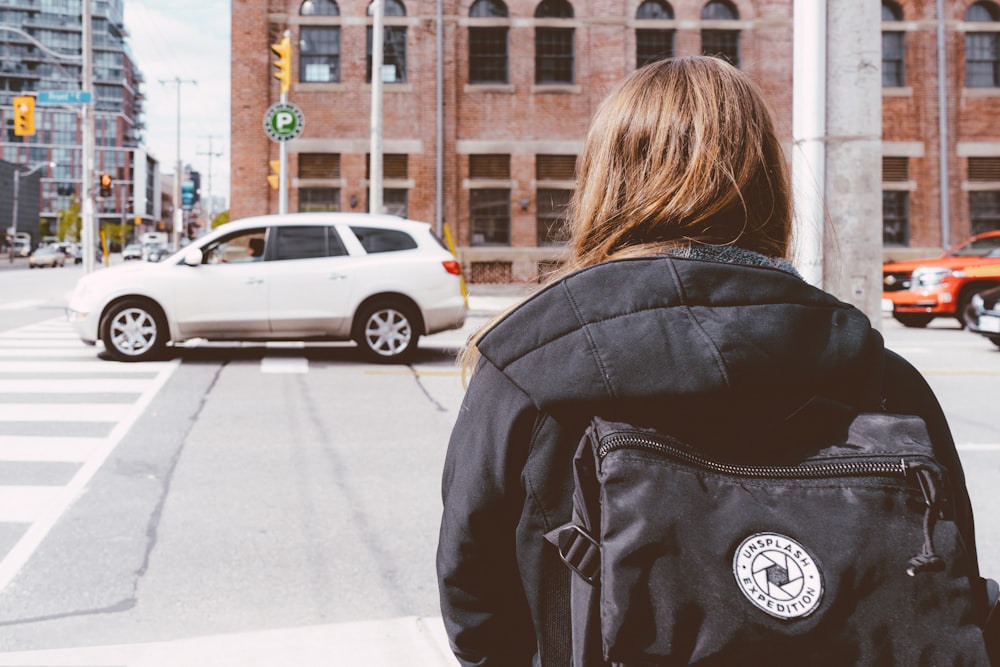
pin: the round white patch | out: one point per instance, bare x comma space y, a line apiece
778, 575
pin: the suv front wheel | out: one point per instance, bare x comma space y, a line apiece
133, 330
387, 332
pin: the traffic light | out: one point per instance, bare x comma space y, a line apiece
106, 182
24, 116
283, 63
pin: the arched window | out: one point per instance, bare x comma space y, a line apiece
553, 44
393, 45
488, 43
893, 61
319, 8
652, 44
982, 46
319, 45
720, 42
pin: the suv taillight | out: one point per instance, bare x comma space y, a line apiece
452, 266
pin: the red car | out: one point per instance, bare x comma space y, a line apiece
923, 289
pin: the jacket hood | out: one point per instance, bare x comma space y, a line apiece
669, 327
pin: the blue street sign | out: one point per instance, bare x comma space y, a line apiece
64, 97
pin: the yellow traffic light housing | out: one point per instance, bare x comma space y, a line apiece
24, 116
106, 182
283, 63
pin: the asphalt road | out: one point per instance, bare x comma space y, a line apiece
242, 502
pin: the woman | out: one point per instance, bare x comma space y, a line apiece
677, 307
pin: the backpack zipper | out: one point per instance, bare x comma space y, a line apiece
911, 468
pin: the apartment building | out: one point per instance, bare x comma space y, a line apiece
40, 46
486, 102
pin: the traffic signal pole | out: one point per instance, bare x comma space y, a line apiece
88, 231
284, 75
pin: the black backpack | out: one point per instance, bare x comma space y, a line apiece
839, 555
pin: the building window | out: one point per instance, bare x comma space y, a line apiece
984, 210
394, 201
723, 44
550, 216
489, 202
319, 8
652, 44
895, 218
312, 200
319, 54
488, 44
893, 61
393, 46
553, 45
489, 216
982, 48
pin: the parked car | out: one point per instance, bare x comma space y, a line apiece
982, 315
50, 255
380, 281
131, 252
921, 290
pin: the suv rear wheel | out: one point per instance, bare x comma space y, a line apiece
387, 332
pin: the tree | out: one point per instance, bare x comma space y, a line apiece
70, 222
220, 219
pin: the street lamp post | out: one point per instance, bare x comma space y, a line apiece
17, 186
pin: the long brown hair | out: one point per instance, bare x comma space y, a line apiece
683, 151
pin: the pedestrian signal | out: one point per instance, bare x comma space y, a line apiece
106, 182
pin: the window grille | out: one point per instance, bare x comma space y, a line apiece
319, 165
984, 168
555, 167
895, 169
491, 166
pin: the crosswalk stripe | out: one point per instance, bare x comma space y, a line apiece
24, 504
23, 303
63, 412
149, 367
62, 450
73, 386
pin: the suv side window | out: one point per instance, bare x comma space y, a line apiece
245, 246
374, 239
306, 242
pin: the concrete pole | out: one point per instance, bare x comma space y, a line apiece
375, 157
809, 136
837, 163
852, 259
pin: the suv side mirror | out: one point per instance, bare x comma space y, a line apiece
192, 257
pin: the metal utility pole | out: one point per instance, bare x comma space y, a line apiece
178, 220
942, 86
210, 154
838, 149
375, 158
88, 231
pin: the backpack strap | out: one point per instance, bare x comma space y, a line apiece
556, 631
991, 628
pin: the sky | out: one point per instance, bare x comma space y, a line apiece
187, 40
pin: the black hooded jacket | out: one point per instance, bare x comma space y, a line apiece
718, 352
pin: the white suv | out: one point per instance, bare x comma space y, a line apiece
378, 280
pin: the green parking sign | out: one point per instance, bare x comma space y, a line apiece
283, 122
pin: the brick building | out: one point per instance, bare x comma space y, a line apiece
520, 80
